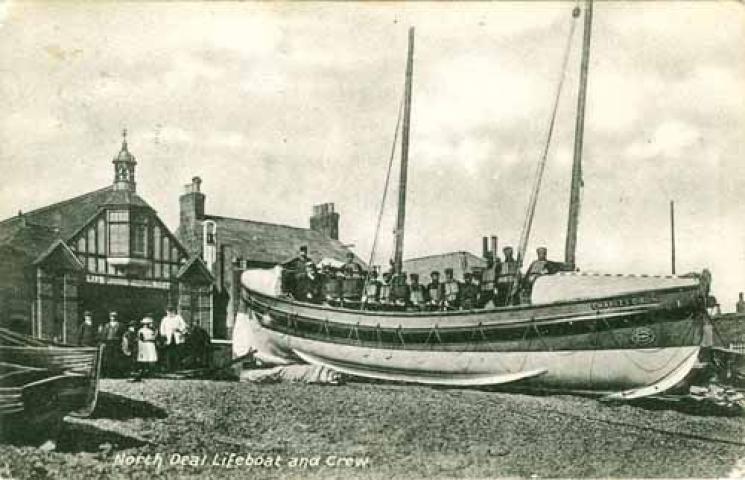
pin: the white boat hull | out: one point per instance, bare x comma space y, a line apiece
602, 371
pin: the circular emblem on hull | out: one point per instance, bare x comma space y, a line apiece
642, 336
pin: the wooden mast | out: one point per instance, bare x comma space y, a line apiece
401, 217
672, 236
574, 196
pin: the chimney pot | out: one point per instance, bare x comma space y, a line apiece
494, 246
485, 247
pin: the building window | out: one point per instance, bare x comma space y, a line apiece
101, 236
139, 239
119, 239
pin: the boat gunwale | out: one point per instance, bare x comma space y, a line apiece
465, 313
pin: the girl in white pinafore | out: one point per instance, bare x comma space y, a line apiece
147, 355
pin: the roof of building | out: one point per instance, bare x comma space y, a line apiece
30, 238
34, 232
68, 216
274, 243
460, 262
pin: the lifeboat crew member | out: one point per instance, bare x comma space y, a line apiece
294, 269
308, 288
400, 291
508, 277
351, 268
538, 267
435, 291
332, 288
384, 295
372, 291
469, 292
488, 287
417, 293
451, 291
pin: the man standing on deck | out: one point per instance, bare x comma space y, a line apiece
417, 293
351, 268
508, 277
435, 291
294, 269
451, 291
469, 292
488, 286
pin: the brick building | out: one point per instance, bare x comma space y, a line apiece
100, 251
228, 245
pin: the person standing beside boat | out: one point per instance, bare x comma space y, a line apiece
129, 346
451, 291
110, 336
172, 329
147, 355
87, 332
435, 291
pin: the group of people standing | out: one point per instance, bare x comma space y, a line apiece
500, 283
136, 348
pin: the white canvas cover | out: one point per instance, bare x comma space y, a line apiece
263, 280
249, 336
580, 286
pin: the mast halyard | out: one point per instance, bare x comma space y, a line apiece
401, 216
574, 196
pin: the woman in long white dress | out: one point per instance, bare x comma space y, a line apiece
147, 355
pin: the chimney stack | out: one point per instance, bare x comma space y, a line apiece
325, 220
191, 204
485, 247
494, 250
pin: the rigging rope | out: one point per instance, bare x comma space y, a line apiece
385, 194
528, 223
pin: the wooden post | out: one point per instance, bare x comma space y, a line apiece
574, 196
672, 235
400, 219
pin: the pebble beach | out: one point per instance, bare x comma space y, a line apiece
222, 429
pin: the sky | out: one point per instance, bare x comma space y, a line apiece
281, 106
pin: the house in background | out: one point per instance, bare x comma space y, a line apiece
100, 251
229, 245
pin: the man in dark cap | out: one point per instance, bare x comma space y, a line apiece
351, 268
539, 266
372, 291
308, 288
417, 293
451, 291
435, 291
507, 281
87, 332
399, 291
488, 286
110, 336
294, 268
385, 296
469, 292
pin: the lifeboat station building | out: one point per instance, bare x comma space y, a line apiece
101, 251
